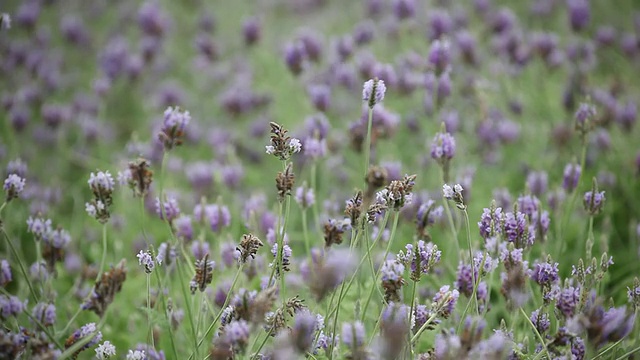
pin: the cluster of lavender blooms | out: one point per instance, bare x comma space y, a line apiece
359, 272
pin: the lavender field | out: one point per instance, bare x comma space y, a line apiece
319, 179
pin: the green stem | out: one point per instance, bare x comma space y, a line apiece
537, 333
447, 210
367, 146
164, 310
423, 327
104, 252
305, 232
68, 353
314, 186
21, 265
590, 240
226, 302
574, 196
476, 279
413, 302
187, 302
150, 339
384, 258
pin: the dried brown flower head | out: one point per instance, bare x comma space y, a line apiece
249, 246
106, 288
285, 182
141, 177
203, 275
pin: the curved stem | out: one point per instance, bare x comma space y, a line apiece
590, 239
384, 258
20, 264
164, 310
367, 146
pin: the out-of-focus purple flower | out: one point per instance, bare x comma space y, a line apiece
305, 196
105, 351
312, 43
537, 182
251, 30
364, 32
440, 24
571, 177
13, 186
593, 201
5, 21
616, 324
315, 148
344, 47
294, 56
200, 175
446, 300
329, 271
439, 56
353, 334
17, 167
606, 35
173, 127
183, 227
146, 260
11, 306
166, 254
404, 9
579, 13
232, 175
320, 96
218, 216
167, 210
39, 272
237, 334
443, 147
152, 19
626, 115
568, 301
44, 313
5, 273
199, 249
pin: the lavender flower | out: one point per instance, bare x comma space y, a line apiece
39, 227
443, 147
568, 301
88, 330
422, 259
5, 21
353, 334
199, 249
173, 127
168, 210
146, 260
11, 306
544, 273
219, 216
584, 116
633, 294
579, 14
305, 196
373, 92
44, 313
593, 201
540, 321
571, 177
516, 230
304, 328
445, 301
184, 228
105, 351
537, 182
136, 355
392, 280
282, 146
439, 56
5, 273
286, 257
490, 222
237, 334
203, 275
102, 186
13, 186
454, 194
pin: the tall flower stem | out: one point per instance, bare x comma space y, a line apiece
20, 264
474, 277
314, 186
187, 303
226, 302
590, 239
574, 196
305, 232
447, 210
367, 146
413, 302
396, 216
104, 252
150, 339
164, 310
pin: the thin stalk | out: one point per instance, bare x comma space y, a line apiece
375, 279
226, 302
21, 265
447, 210
590, 239
544, 345
476, 279
261, 344
200, 301
305, 232
335, 322
413, 302
150, 339
314, 186
164, 308
187, 303
367, 146
423, 327
574, 195
144, 232
104, 252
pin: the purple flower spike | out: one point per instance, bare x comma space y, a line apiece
579, 14
373, 92
571, 177
13, 186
